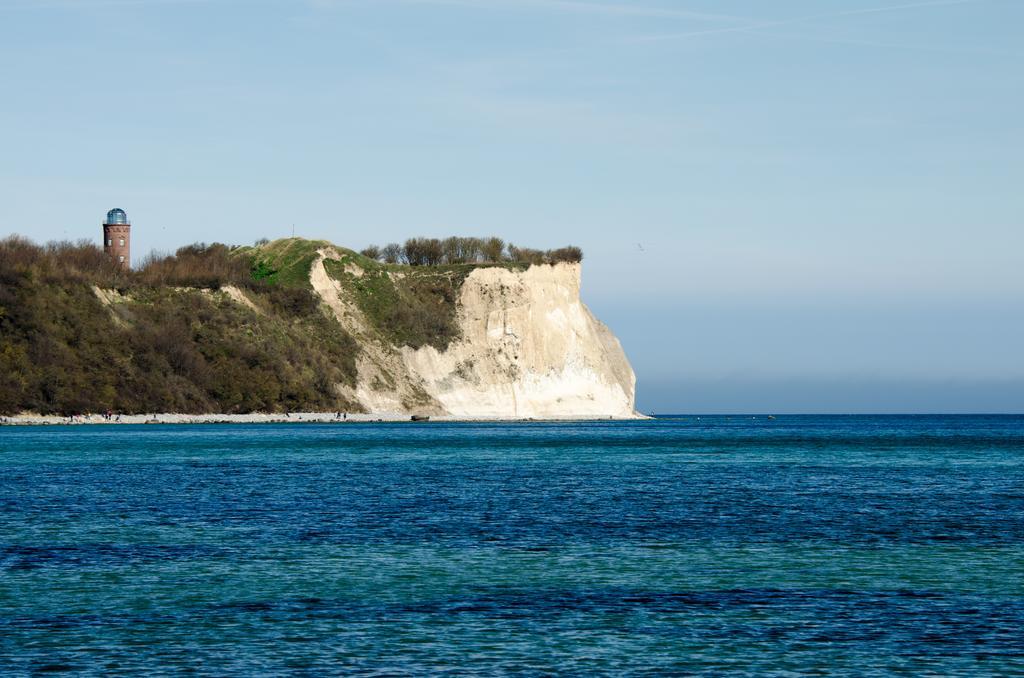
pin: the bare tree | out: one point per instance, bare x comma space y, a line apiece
433, 252
412, 252
453, 250
492, 249
472, 249
424, 252
525, 255
392, 253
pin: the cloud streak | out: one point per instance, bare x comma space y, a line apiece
751, 27
885, 45
564, 6
97, 4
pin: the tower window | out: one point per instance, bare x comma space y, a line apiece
110, 241
120, 259
120, 242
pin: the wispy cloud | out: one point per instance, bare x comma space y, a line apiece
571, 6
90, 4
939, 49
912, 5
751, 27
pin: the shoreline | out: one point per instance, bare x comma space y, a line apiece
28, 419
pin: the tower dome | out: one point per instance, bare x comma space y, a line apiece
117, 216
117, 237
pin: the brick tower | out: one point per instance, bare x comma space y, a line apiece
117, 237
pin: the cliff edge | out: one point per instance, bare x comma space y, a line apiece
524, 346
528, 347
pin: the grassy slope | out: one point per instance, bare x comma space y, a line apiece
289, 259
408, 305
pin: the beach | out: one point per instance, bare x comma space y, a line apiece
31, 419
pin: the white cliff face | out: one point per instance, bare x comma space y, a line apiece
528, 348
384, 384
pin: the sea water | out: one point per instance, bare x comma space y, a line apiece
856, 545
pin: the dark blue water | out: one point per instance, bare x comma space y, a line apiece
851, 545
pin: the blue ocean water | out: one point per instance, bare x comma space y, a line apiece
724, 545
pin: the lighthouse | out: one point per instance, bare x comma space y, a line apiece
117, 237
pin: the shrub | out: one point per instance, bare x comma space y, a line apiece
570, 253
198, 265
525, 255
372, 252
58, 262
292, 301
261, 270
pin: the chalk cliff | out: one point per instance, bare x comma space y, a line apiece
525, 346
528, 348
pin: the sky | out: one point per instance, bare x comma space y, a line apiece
786, 206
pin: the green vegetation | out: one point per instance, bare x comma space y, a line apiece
408, 306
159, 349
283, 262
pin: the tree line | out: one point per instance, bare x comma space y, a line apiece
467, 250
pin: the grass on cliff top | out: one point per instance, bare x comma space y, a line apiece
284, 262
408, 305
287, 262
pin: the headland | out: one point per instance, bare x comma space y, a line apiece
215, 332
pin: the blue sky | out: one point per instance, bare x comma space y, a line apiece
785, 206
